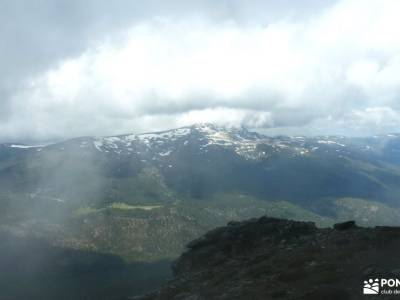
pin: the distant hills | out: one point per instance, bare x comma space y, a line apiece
143, 197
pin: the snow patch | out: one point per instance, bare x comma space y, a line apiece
330, 143
24, 146
166, 153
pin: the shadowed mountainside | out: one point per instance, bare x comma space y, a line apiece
32, 269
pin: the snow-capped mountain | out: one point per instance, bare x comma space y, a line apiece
247, 144
202, 160
144, 196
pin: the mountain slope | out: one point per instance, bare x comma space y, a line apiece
271, 258
201, 160
144, 196
32, 269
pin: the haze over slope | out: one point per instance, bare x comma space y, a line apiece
145, 196
83, 204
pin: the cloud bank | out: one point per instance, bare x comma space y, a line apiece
306, 69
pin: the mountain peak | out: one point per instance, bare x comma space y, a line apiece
212, 127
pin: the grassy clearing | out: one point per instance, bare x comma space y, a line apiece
124, 206
81, 211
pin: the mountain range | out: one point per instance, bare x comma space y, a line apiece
144, 196
201, 162
102, 208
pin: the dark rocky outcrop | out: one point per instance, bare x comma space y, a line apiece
270, 258
345, 225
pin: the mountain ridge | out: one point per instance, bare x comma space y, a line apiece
270, 258
204, 128
152, 193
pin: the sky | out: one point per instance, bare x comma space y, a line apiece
73, 68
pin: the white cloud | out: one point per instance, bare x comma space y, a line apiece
226, 117
340, 66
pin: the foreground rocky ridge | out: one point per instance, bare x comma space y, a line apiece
269, 258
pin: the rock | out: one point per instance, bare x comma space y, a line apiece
270, 258
342, 241
328, 293
278, 294
345, 225
369, 271
395, 272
